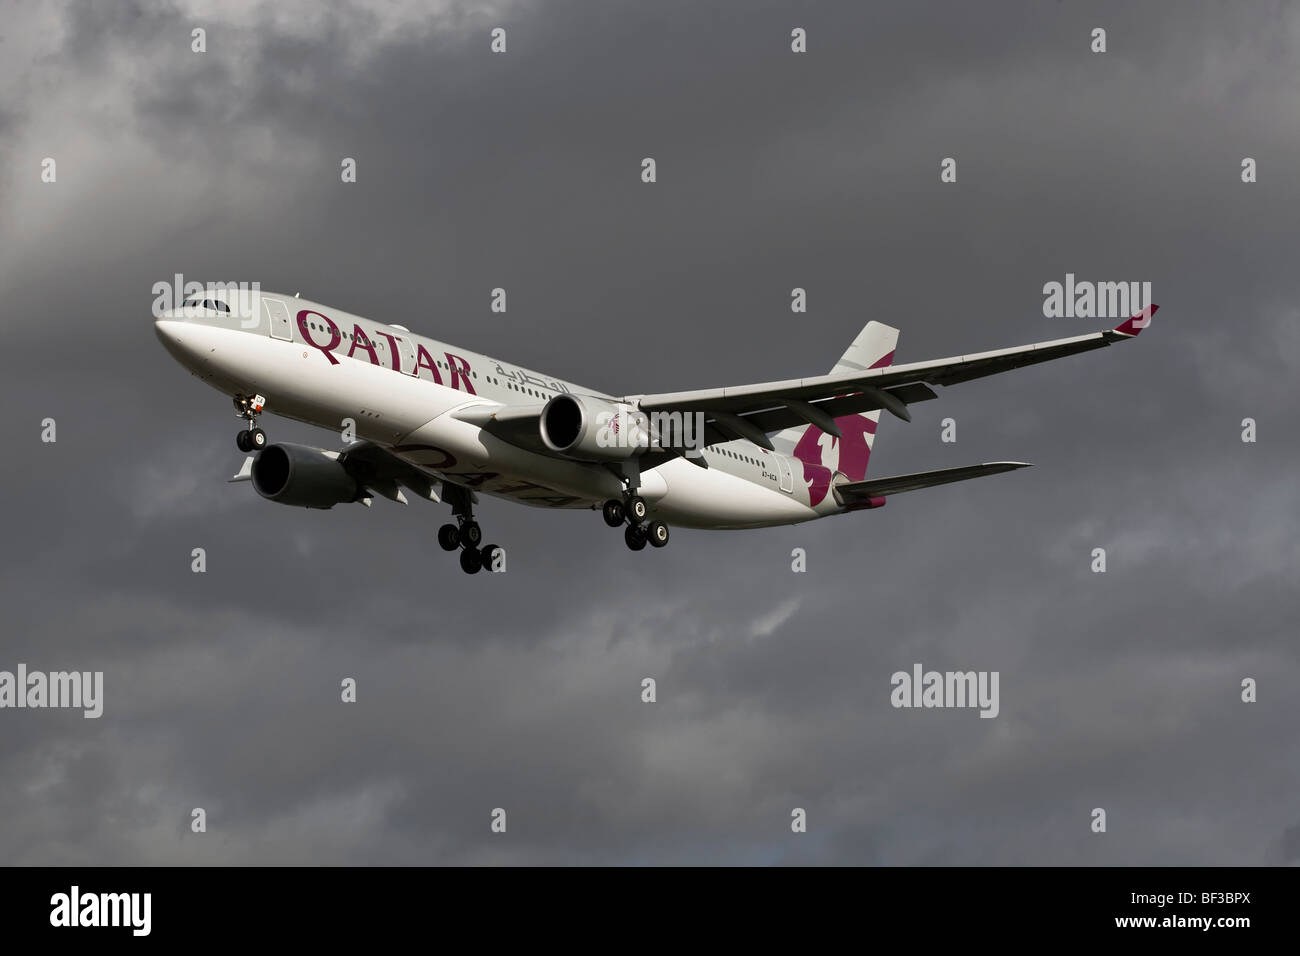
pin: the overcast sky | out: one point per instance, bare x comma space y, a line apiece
522, 691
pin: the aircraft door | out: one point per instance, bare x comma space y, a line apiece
277, 316
408, 354
783, 472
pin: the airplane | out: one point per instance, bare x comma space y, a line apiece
448, 424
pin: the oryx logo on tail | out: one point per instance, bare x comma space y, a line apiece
823, 455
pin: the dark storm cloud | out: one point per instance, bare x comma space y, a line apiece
522, 691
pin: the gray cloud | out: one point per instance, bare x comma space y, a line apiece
523, 691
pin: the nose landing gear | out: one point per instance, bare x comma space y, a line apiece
248, 407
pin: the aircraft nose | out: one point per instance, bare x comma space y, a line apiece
177, 338
165, 327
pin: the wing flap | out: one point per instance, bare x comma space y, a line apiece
379, 470
790, 416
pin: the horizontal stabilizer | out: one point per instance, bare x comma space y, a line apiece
859, 492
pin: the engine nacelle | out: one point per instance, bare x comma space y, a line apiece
303, 476
590, 429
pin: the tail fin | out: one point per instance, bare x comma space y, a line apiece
823, 455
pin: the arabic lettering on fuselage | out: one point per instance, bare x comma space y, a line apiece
520, 377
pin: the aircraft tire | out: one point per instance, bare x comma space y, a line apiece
471, 562
449, 537
613, 513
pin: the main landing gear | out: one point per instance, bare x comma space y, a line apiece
466, 534
632, 510
248, 407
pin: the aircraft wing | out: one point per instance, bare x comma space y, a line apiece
861, 492
380, 471
751, 411
516, 424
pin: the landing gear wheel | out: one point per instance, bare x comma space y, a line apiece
449, 537
471, 535
471, 562
634, 537
248, 407
657, 533
636, 508
613, 512
487, 553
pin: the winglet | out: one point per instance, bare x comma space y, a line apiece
245, 472
1138, 322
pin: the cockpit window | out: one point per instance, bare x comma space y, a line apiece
216, 305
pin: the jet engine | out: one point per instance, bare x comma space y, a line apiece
303, 476
590, 429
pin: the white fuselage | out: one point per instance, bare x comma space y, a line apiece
323, 366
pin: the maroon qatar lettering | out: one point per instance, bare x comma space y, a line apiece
424, 360
359, 340
459, 372
458, 366
305, 328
